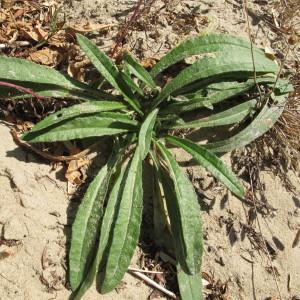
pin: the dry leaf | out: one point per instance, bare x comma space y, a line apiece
74, 174
46, 57
148, 62
269, 52
2, 16
37, 34
87, 27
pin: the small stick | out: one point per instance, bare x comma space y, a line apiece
22, 89
153, 284
47, 155
144, 271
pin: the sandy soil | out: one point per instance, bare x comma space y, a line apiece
36, 212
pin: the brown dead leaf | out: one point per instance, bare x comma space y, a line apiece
46, 57
37, 34
148, 62
7, 3
75, 72
2, 16
74, 174
87, 26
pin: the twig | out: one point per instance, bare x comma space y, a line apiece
15, 44
153, 284
251, 43
22, 89
123, 33
264, 241
48, 156
144, 271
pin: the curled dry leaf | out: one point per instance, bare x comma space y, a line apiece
74, 172
46, 57
37, 34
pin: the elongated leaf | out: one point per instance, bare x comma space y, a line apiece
145, 134
190, 286
99, 124
86, 227
127, 227
260, 125
184, 213
107, 225
211, 95
107, 68
77, 111
43, 80
223, 63
230, 116
134, 87
202, 44
212, 163
138, 70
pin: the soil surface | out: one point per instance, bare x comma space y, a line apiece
247, 256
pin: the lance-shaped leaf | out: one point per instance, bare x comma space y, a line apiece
184, 213
202, 44
126, 231
224, 63
86, 227
264, 121
209, 96
190, 286
107, 225
77, 111
43, 80
230, 116
108, 70
212, 163
99, 124
138, 70
145, 134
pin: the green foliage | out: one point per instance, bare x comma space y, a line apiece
143, 119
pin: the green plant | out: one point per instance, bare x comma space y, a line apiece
143, 118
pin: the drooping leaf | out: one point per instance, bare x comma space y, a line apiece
190, 286
212, 163
184, 213
86, 227
97, 124
223, 63
44, 81
108, 69
265, 120
127, 227
230, 116
202, 44
138, 70
210, 95
107, 225
77, 111
145, 134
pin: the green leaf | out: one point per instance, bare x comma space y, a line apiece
145, 134
230, 116
211, 95
108, 222
85, 229
97, 124
132, 84
212, 163
190, 286
202, 44
138, 70
224, 63
264, 121
126, 231
184, 213
77, 111
43, 80
108, 69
